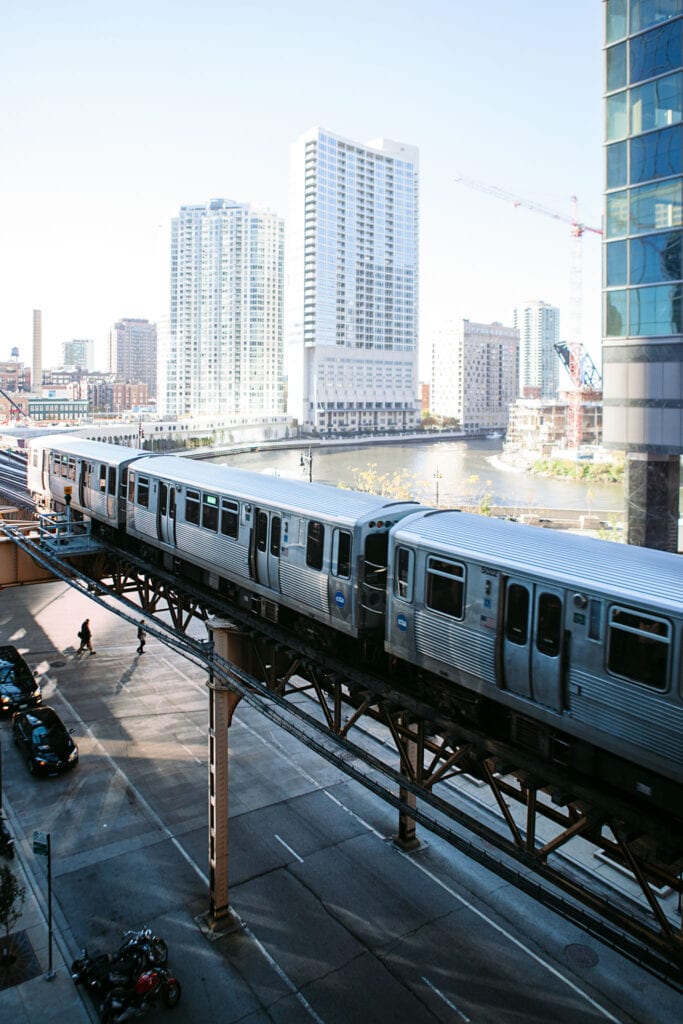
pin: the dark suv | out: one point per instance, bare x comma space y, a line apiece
18, 687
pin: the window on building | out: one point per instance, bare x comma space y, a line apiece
656, 155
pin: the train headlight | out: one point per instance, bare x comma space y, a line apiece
580, 600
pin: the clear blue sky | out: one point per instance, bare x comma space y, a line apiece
116, 114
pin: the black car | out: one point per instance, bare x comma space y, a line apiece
45, 741
18, 687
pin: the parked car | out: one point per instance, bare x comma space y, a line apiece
45, 741
18, 686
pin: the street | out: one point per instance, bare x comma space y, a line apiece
337, 924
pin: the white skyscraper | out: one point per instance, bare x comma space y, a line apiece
474, 374
224, 342
539, 366
352, 284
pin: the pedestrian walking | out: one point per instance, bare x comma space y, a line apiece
142, 636
85, 636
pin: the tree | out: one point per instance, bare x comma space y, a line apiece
11, 893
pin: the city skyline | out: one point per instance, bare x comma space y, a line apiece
166, 111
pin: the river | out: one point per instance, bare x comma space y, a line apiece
465, 471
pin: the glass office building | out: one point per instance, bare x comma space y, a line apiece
352, 284
642, 266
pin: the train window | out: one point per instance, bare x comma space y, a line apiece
403, 583
275, 530
192, 507
445, 587
261, 530
71, 472
314, 545
103, 478
517, 614
638, 647
595, 620
549, 625
131, 487
112, 480
376, 557
229, 517
341, 554
64, 470
210, 512
143, 491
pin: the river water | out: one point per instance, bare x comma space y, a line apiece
465, 471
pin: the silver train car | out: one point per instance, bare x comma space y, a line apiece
269, 542
567, 647
92, 473
579, 640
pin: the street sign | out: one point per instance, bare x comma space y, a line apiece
41, 842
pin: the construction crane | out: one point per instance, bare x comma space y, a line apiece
575, 350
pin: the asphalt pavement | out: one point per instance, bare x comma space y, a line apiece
37, 986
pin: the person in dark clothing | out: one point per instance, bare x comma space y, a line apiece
142, 636
85, 636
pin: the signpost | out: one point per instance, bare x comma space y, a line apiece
41, 848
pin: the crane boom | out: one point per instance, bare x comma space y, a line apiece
573, 354
578, 227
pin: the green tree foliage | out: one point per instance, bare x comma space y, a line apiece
11, 894
400, 484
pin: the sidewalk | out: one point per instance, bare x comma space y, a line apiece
53, 1000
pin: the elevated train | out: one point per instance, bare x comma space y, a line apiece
568, 647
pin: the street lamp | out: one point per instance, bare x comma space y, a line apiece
437, 476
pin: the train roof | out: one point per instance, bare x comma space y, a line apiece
288, 495
112, 454
570, 560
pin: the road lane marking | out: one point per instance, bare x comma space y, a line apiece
293, 852
161, 825
446, 1000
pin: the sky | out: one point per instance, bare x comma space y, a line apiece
113, 116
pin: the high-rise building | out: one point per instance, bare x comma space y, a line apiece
37, 369
79, 353
539, 367
352, 284
642, 265
133, 352
224, 342
474, 375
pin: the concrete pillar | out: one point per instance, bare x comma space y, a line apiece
232, 644
652, 487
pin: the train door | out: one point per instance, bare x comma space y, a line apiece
265, 548
532, 642
166, 514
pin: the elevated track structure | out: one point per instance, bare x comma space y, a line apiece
543, 811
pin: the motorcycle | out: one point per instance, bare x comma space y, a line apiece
101, 972
150, 945
6, 841
152, 985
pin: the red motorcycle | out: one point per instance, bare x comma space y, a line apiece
153, 985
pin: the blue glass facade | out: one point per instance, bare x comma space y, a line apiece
642, 266
644, 166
